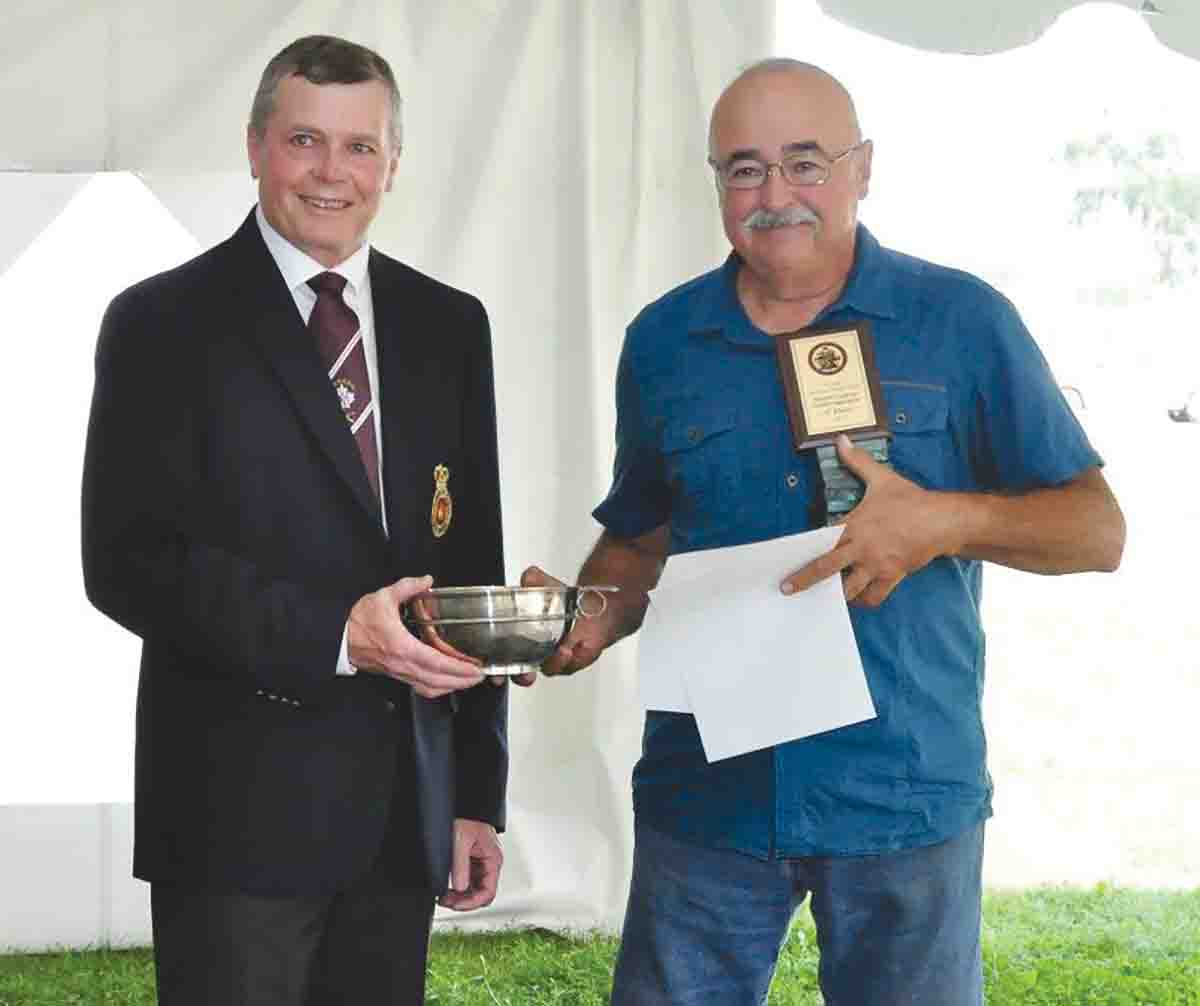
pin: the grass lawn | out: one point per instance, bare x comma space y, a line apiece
1046, 947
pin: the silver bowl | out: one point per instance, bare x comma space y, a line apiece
510, 629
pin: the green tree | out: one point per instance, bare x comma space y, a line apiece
1146, 181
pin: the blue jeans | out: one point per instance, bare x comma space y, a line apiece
706, 925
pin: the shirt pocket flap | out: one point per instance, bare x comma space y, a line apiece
695, 428
917, 410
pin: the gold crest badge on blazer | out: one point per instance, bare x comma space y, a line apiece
443, 506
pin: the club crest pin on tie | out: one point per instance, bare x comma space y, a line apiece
443, 505
346, 397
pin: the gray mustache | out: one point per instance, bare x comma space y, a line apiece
763, 219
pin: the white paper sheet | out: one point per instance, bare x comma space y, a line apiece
756, 668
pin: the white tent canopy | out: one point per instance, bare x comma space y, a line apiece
984, 26
153, 87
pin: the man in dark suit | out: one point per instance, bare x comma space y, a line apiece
308, 773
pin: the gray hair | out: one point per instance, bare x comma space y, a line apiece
323, 59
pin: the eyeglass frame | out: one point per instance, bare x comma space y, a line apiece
719, 167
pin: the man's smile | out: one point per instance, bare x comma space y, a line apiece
324, 204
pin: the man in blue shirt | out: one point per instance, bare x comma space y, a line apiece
880, 822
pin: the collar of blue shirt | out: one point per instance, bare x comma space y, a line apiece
868, 293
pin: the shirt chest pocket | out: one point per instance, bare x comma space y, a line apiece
919, 417
703, 469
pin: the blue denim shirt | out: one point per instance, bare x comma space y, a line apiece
704, 444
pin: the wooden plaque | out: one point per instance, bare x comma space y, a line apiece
832, 384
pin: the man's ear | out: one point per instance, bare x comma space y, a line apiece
392, 165
864, 169
253, 149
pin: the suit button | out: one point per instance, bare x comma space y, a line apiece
389, 705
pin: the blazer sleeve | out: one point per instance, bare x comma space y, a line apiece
150, 559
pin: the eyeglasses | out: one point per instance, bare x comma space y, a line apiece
802, 168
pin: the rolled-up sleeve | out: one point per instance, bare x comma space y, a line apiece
1026, 435
639, 499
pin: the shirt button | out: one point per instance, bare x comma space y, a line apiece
693, 434
901, 418
792, 480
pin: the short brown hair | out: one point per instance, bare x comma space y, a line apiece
323, 59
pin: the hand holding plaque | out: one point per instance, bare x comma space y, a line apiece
832, 387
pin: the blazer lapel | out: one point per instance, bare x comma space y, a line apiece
270, 319
400, 384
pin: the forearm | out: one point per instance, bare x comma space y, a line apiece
1073, 528
632, 564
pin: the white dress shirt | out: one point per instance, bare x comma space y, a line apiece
297, 268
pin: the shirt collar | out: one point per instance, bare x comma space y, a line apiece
298, 267
870, 288
717, 311
868, 291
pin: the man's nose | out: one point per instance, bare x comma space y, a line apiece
331, 165
775, 189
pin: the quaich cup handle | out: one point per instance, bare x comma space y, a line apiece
599, 591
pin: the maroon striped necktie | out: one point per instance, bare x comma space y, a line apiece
340, 342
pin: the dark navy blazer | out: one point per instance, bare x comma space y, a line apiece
228, 522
